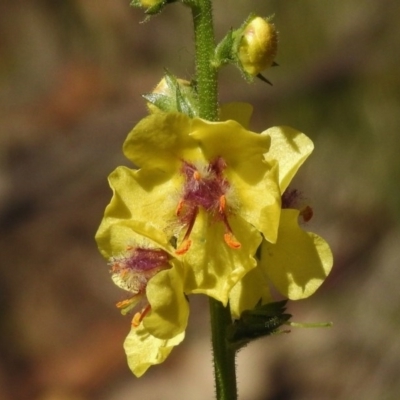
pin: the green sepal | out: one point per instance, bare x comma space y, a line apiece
180, 97
163, 102
224, 50
263, 320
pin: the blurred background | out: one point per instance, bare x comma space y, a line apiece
71, 77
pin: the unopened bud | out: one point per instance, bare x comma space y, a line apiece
151, 6
173, 94
258, 46
150, 3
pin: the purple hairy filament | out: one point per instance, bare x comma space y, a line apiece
204, 189
135, 270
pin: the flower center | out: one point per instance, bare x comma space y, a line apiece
133, 271
204, 188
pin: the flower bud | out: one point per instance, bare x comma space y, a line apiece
150, 3
258, 46
152, 7
173, 94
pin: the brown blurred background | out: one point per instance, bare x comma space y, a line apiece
72, 73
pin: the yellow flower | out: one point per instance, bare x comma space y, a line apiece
299, 261
297, 264
148, 270
209, 187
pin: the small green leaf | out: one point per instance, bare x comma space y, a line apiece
263, 320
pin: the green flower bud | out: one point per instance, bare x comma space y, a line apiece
258, 46
173, 94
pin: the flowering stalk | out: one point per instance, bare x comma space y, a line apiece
206, 73
223, 354
207, 209
207, 86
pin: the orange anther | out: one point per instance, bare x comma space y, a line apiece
138, 317
222, 204
231, 241
115, 267
306, 213
184, 247
136, 320
179, 207
123, 303
196, 175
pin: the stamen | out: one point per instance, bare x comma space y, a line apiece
184, 247
138, 317
307, 213
204, 189
222, 204
231, 241
186, 242
179, 207
124, 303
115, 267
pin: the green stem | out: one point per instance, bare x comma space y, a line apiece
207, 87
224, 355
206, 74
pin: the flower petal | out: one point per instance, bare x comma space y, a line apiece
144, 350
298, 263
160, 141
248, 292
291, 148
230, 141
216, 267
169, 306
114, 239
259, 197
142, 199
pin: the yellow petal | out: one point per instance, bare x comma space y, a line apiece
160, 141
169, 306
290, 148
144, 350
230, 141
258, 196
248, 292
298, 263
114, 239
142, 200
216, 267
